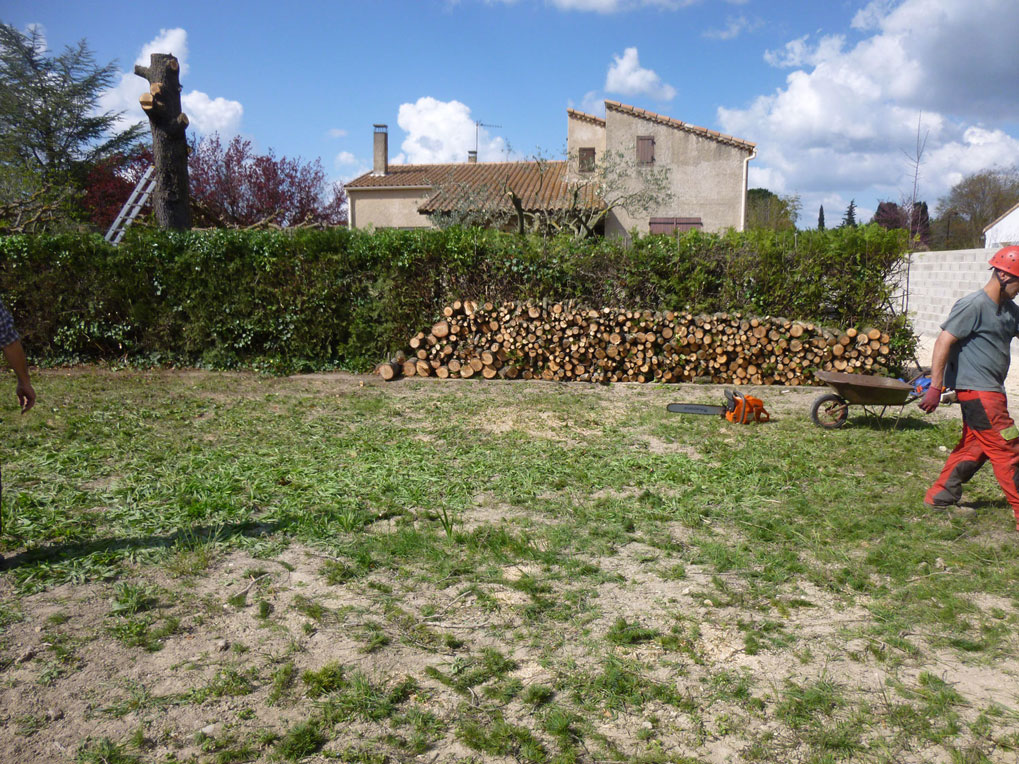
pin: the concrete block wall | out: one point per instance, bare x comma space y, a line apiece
936, 281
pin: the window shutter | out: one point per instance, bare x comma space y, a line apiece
587, 159
645, 150
674, 225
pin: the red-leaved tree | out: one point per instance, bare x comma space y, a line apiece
234, 187
109, 183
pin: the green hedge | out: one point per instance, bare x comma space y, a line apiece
338, 298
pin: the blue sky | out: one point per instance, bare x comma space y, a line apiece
831, 91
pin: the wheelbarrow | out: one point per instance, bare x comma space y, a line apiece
875, 394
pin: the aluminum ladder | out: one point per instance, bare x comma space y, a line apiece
131, 208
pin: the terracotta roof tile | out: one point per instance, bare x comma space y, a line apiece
540, 186
586, 117
670, 122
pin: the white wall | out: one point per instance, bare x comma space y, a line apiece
1004, 232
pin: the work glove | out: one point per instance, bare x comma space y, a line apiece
931, 399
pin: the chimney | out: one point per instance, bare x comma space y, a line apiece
381, 164
472, 156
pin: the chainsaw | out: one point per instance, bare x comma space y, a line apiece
739, 408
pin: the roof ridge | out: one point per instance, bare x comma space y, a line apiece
1001, 217
584, 116
672, 122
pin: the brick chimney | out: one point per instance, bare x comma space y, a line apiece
472, 156
381, 163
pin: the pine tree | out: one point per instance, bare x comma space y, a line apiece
820, 218
849, 219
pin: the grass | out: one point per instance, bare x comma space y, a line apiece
558, 558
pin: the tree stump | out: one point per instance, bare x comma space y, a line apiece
170, 198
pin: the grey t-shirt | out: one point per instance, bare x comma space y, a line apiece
980, 359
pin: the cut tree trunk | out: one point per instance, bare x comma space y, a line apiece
170, 198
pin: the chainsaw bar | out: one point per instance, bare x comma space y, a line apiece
696, 408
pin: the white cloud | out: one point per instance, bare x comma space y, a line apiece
798, 52
174, 41
346, 158
734, 27
210, 115
626, 76
846, 119
206, 114
443, 131
336, 133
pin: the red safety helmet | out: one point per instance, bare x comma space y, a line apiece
1006, 259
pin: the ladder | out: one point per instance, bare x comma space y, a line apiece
131, 207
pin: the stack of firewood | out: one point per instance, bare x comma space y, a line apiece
562, 341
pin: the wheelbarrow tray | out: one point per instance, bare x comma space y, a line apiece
866, 390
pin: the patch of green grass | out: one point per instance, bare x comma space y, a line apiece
145, 631
225, 683
103, 751
329, 678
282, 680
621, 685
314, 610
361, 698
375, 637
130, 599
537, 695
623, 632
300, 741
801, 705
467, 672
492, 734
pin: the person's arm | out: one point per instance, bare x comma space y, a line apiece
939, 360
15, 356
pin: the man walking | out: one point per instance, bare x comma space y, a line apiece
971, 355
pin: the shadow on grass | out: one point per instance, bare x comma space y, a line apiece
181, 538
890, 423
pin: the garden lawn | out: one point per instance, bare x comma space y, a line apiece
221, 567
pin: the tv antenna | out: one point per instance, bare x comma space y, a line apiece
478, 124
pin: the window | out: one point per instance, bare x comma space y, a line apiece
587, 160
674, 225
645, 150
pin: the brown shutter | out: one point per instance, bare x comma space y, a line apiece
674, 225
587, 159
645, 149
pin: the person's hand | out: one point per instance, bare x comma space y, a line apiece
931, 399
26, 395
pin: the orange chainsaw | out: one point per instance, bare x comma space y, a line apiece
739, 408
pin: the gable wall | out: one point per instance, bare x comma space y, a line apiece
581, 133
706, 176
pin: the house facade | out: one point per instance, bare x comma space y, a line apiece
1003, 231
706, 174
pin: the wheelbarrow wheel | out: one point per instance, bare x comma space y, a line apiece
829, 411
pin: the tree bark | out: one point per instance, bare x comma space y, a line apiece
170, 199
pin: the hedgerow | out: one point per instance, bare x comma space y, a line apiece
338, 298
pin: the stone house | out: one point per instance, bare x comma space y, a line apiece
707, 177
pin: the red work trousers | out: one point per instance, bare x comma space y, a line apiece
988, 433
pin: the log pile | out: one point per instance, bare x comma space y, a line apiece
563, 342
